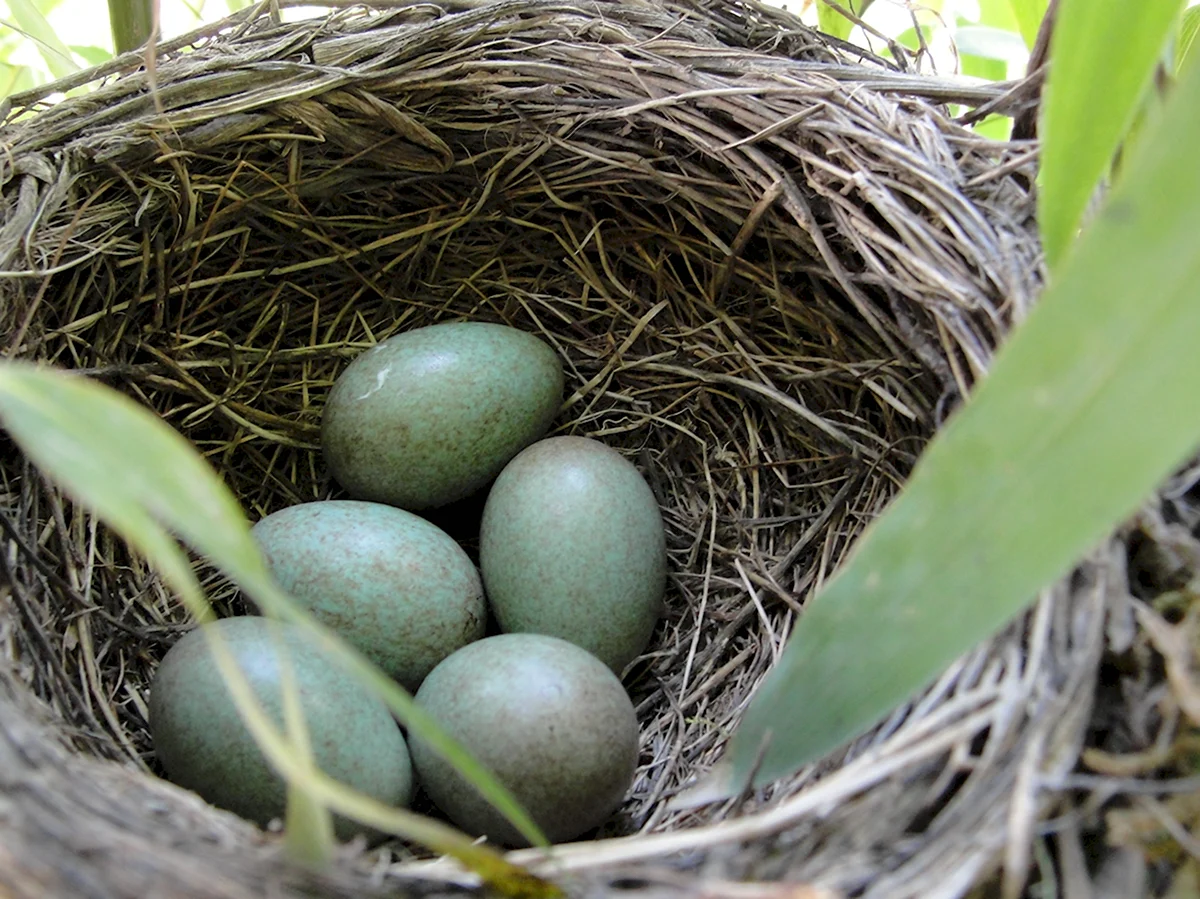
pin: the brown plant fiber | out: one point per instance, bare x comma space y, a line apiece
771, 270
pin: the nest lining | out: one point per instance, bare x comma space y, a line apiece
770, 273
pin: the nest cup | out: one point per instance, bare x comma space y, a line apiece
771, 269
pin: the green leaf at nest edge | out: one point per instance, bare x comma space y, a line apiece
1093, 401
1101, 66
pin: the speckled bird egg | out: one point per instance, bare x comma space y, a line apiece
431, 415
390, 583
203, 745
550, 721
572, 545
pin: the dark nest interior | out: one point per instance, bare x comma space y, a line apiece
771, 270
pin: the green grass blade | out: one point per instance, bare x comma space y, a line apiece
1029, 15
1189, 26
308, 825
1101, 63
47, 421
1095, 398
55, 53
139, 474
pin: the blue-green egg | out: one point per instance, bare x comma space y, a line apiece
431, 415
390, 583
549, 720
204, 746
572, 545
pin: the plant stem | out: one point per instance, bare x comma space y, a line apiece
132, 22
308, 830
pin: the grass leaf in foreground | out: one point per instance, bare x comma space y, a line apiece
1101, 63
1029, 15
54, 52
1094, 399
1189, 26
145, 480
44, 417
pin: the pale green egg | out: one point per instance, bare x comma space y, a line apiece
572, 545
431, 415
204, 746
550, 721
393, 585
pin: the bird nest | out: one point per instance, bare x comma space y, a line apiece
771, 269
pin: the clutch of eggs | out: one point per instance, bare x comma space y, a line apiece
571, 549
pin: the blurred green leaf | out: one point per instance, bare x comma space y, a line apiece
1029, 15
832, 22
14, 79
33, 24
1095, 398
989, 43
994, 127
1189, 25
93, 56
998, 14
1101, 64
994, 70
141, 477
983, 67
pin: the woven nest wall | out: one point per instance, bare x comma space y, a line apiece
771, 271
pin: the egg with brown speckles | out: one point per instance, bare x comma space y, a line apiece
572, 545
549, 720
431, 415
204, 746
390, 583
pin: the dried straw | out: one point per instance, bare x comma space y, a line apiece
771, 270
